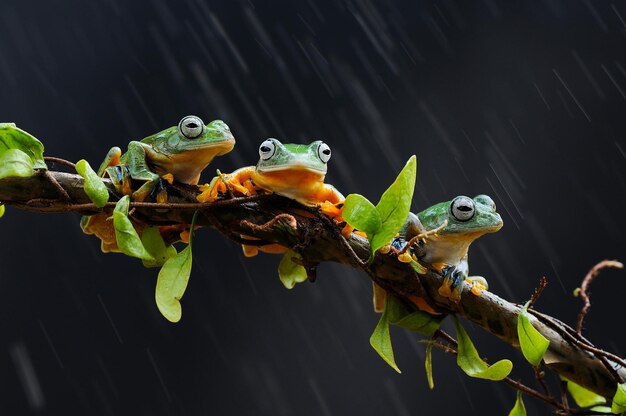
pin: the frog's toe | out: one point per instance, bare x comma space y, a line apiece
347, 230
329, 209
452, 284
143, 192
385, 249
478, 283
444, 289
168, 177
249, 251
405, 257
161, 197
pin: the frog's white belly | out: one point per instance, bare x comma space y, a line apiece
448, 249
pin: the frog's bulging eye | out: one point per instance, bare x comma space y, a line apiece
323, 151
267, 149
191, 127
486, 200
462, 208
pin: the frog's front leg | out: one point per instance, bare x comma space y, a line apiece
139, 170
240, 181
454, 276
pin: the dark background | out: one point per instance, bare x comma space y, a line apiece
524, 101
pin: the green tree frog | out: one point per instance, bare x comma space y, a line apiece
296, 171
179, 153
457, 224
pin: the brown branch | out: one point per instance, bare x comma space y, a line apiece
316, 239
513, 383
593, 273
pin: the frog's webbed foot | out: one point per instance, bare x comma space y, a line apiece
145, 190
332, 210
478, 283
400, 247
159, 191
226, 184
453, 278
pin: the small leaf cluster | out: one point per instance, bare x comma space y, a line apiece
20, 152
594, 402
152, 250
383, 221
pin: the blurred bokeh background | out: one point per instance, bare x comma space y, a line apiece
524, 101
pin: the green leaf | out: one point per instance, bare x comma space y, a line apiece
127, 238
173, 279
289, 271
429, 366
154, 244
419, 269
582, 396
381, 340
2, 209
395, 204
416, 321
15, 163
12, 137
519, 409
470, 362
94, 187
360, 213
421, 322
532, 343
602, 409
619, 400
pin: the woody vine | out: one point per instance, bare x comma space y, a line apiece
592, 377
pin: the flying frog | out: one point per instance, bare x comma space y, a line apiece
457, 224
296, 171
179, 153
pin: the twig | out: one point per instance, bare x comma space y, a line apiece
289, 219
65, 207
423, 236
540, 380
65, 196
543, 282
60, 161
570, 335
593, 273
564, 400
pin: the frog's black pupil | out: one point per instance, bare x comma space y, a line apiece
192, 125
326, 151
265, 149
464, 208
